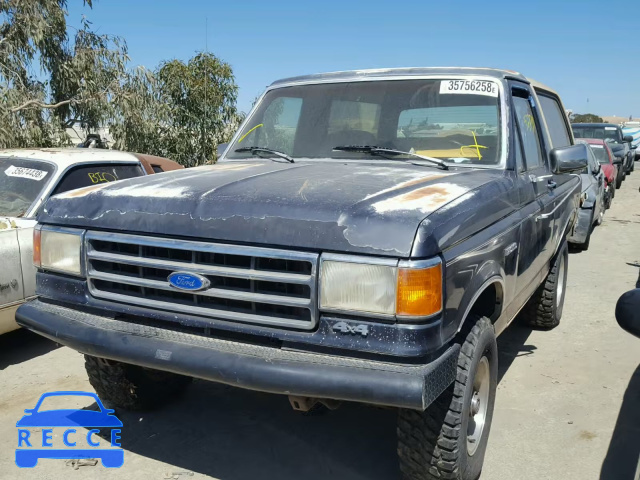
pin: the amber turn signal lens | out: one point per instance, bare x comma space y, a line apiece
37, 250
419, 291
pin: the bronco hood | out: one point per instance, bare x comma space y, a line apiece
344, 207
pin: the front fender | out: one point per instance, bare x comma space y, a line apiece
489, 273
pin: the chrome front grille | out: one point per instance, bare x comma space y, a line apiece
248, 284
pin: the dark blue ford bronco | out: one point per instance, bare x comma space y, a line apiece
364, 237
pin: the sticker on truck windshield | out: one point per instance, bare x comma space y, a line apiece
469, 87
32, 173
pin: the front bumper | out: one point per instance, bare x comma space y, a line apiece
582, 227
249, 366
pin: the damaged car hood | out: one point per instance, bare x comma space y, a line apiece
355, 207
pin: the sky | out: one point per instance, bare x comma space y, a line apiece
584, 49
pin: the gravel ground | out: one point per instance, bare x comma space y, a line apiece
567, 403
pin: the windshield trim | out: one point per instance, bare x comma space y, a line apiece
502, 110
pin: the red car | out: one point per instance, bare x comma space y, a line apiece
604, 155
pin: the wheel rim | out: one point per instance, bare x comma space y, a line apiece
478, 405
560, 284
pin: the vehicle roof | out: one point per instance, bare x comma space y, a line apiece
150, 161
541, 86
65, 157
595, 125
383, 73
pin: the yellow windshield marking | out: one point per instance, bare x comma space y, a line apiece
242, 137
475, 145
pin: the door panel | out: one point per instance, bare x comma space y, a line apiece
538, 193
25, 240
11, 289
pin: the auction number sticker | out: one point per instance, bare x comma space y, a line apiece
470, 87
22, 172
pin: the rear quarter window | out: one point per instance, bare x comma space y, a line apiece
94, 174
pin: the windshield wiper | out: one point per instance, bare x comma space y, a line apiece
390, 151
257, 150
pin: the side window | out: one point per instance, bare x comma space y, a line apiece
278, 126
529, 133
593, 161
555, 119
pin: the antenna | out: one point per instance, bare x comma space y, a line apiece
206, 87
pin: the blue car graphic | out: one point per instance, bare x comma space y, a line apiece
28, 457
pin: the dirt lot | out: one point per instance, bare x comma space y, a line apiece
567, 405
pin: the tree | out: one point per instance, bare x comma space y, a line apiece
182, 110
585, 118
48, 80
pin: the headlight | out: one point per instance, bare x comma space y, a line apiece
58, 251
404, 289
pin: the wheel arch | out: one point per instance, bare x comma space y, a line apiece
487, 301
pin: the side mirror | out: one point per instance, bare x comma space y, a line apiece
221, 148
628, 312
617, 161
571, 159
597, 169
628, 138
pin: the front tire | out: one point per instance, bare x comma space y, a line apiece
131, 387
449, 439
544, 308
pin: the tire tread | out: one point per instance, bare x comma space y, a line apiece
428, 442
131, 387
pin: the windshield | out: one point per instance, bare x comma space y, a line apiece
21, 182
600, 153
601, 133
453, 120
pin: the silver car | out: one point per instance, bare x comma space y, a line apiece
592, 203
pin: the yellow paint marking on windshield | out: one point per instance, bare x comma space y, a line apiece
530, 122
475, 145
257, 126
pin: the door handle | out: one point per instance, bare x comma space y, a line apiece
535, 179
551, 185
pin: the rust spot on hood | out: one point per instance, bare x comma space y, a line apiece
81, 192
422, 179
425, 199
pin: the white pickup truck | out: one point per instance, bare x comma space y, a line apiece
27, 179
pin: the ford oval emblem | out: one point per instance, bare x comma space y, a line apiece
188, 281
